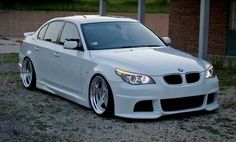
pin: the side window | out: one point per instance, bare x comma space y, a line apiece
70, 32
53, 31
42, 32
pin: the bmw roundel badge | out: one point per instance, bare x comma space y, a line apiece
180, 69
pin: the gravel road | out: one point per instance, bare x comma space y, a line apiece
40, 116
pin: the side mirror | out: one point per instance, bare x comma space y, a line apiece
70, 45
167, 40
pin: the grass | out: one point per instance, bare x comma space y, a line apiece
118, 6
227, 76
9, 58
13, 75
225, 70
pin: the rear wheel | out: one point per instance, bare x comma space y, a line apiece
100, 96
28, 76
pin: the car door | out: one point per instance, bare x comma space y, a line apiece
37, 49
46, 44
68, 62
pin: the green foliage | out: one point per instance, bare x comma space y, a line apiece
9, 58
119, 6
227, 76
225, 70
218, 62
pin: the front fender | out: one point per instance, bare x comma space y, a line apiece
90, 69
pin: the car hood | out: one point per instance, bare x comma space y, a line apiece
150, 61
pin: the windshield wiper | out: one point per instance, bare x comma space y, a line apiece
133, 46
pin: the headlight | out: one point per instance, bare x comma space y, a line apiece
210, 72
134, 78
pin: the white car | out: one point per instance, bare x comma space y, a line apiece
115, 66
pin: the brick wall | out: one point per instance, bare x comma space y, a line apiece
184, 25
15, 23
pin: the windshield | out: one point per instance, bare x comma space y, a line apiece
114, 35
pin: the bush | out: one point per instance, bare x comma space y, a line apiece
7, 2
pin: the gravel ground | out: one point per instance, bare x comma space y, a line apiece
41, 116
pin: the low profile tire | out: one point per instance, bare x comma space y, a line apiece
28, 76
100, 97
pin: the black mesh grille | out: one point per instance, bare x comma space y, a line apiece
182, 103
173, 79
143, 106
192, 77
210, 98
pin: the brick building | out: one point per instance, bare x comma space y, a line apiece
184, 26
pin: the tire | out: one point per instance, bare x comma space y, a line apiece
28, 75
101, 97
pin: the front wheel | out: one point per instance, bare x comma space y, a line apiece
28, 76
100, 96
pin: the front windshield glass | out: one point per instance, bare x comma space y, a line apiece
114, 35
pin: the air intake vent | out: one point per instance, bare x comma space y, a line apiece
173, 79
143, 106
210, 98
182, 103
192, 77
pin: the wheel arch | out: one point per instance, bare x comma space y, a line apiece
104, 77
104, 70
32, 84
33, 64
111, 109
32, 61
107, 72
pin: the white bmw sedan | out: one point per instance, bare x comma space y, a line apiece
115, 66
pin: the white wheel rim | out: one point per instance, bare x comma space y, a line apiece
27, 73
99, 95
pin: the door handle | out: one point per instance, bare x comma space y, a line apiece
56, 54
36, 48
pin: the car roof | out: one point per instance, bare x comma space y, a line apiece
81, 19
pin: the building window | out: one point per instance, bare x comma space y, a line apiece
232, 20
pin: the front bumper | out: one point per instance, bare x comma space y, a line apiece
127, 96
